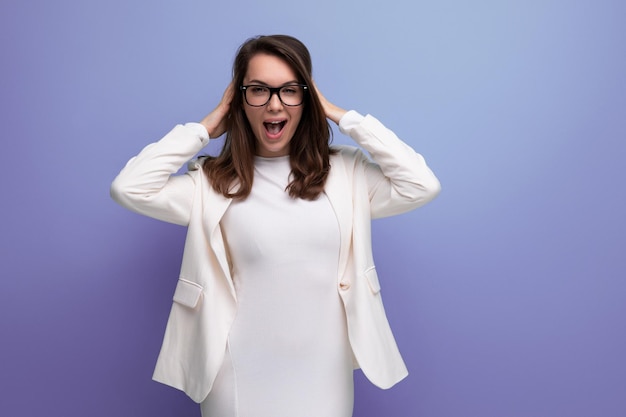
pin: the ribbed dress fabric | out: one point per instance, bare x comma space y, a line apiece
288, 353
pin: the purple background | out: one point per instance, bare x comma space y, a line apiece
507, 294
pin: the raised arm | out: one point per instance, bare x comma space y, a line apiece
147, 184
398, 179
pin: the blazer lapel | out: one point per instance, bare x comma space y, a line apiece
214, 207
337, 189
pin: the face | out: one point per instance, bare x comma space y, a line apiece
274, 123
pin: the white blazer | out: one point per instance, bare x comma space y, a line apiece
205, 301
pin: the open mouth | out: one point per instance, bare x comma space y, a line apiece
274, 127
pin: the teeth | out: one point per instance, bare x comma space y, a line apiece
274, 127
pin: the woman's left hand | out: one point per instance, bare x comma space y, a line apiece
333, 112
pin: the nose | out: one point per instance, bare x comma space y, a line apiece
274, 104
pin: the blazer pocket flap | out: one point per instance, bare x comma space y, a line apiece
372, 279
187, 293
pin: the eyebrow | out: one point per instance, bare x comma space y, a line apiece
259, 82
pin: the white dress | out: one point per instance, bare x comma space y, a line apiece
288, 353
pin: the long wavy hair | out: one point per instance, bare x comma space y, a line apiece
231, 173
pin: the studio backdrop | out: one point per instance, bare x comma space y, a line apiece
507, 294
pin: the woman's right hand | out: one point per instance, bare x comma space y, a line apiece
216, 121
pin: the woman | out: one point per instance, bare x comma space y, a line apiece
278, 298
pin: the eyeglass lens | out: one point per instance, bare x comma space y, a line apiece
290, 95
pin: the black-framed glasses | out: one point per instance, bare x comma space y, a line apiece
259, 95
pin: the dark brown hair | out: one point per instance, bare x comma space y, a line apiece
309, 149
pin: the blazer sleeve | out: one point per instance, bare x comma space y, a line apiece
398, 179
147, 184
